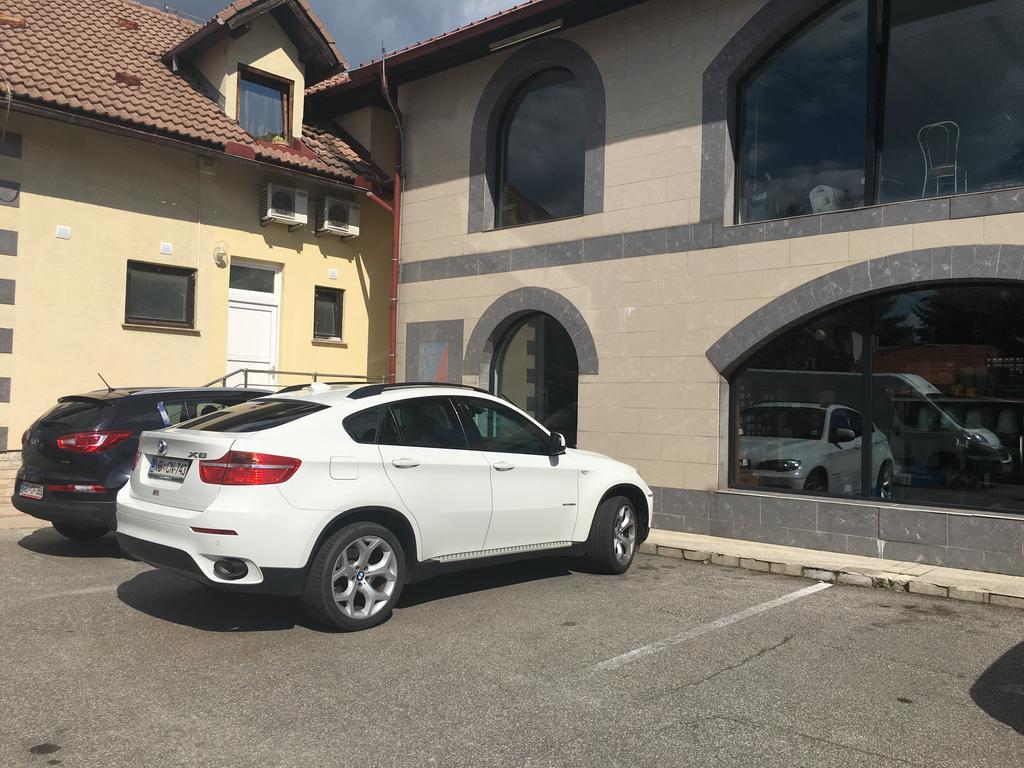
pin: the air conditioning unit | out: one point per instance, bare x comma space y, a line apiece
285, 205
337, 217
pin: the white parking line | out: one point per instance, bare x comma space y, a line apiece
703, 629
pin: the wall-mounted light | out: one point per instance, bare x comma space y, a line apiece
220, 254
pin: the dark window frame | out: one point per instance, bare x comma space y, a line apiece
283, 85
501, 155
878, 34
387, 416
190, 273
340, 293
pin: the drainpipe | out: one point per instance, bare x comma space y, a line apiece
396, 223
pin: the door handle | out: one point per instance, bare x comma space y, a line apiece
405, 463
503, 466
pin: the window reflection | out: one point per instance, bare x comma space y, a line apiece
543, 151
945, 400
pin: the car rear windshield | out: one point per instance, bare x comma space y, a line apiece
76, 414
253, 416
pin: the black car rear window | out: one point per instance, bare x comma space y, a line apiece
76, 414
253, 416
362, 426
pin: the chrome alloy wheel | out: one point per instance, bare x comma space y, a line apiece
364, 577
624, 533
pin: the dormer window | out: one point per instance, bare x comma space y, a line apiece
264, 104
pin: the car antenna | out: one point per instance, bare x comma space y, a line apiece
109, 388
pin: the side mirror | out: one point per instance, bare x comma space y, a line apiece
557, 445
841, 435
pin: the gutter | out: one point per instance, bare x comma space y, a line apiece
396, 224
180, 144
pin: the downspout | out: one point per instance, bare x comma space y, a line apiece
396, 223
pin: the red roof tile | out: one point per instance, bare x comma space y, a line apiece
102, 59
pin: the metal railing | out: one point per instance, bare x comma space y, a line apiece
312, 375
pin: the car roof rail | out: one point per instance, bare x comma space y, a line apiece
370, 390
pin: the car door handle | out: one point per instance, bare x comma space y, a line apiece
503, 466
405, 463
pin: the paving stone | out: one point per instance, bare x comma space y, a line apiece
786, 569
751, 564
819, 574
728, 560
970, 595
856, 580
1007, 600
670, 552
697, 555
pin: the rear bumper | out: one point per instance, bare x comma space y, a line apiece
98, 513
276, 581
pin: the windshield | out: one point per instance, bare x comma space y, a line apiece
783, 421
253, 416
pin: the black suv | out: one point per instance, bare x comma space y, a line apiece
79, 454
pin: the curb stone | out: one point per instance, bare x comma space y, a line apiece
968, 586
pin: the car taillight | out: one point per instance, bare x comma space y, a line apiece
244, 468
91, 442
75, 488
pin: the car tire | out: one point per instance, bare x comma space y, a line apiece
613, 539
817, 482
80, 532
366, 562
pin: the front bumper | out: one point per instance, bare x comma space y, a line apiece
275, 581
97, 513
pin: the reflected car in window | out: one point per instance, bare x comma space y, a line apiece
810, 447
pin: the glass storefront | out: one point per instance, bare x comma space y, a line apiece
913, 397
535, 367
878, 101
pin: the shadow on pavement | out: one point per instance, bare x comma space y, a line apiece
1000, 689
179, 600
479, 579
46, 541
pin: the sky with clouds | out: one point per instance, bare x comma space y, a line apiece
360, 26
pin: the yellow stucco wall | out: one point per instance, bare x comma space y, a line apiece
265, 47
121, 198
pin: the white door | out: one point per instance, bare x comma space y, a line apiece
533, 494
445, 485
253, 308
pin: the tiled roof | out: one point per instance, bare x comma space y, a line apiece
102, 59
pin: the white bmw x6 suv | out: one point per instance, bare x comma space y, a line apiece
341, 495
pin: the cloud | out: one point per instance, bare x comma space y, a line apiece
360, 26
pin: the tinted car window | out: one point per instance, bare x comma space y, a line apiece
428, 422
140, 414
362, 426
76, 415
495, 427
253, 416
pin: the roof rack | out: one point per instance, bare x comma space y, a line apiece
371, 390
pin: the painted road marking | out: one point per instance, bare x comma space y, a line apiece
703, 629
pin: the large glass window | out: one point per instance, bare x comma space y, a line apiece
425, 422
543, 151
535, 367
495, 428
883, 100
935, 376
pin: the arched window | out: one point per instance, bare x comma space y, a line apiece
535, 366
915, 396
877, 101
542, 152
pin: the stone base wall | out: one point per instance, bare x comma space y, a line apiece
953, 539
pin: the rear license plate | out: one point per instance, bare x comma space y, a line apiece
31, 490
169, 469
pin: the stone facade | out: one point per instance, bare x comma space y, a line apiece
672, 296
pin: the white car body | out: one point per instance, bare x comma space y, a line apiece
460, 506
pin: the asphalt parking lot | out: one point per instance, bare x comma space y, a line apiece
105, 662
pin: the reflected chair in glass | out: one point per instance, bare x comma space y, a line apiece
940, 147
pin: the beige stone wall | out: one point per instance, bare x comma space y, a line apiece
122, 198
651, 58
10, 463
655, 402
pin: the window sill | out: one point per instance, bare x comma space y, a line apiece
330, 343
161, 329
